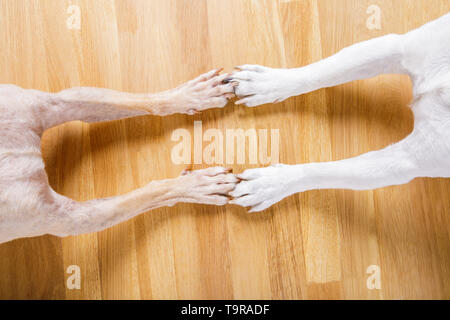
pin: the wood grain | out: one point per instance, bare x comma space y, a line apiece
315, 245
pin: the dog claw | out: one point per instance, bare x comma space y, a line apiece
192, 112
186, 172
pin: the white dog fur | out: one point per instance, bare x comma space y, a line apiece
28, 205
423, 54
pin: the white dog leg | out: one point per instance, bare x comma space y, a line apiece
259, 85
262, 187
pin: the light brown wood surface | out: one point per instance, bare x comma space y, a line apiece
315, 245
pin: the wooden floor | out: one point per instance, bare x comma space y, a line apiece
316, 245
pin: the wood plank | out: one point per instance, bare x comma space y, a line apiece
315, 245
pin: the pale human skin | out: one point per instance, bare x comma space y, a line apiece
28, 205
423, 54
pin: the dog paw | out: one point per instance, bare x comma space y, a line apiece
261, 188
207, 186
204, 92
259, 85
